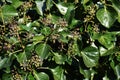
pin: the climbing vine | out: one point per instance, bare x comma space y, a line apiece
59, 40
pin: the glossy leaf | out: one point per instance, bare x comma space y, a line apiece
117, 71
105, 52
36, 24
13, 40
38, 38
24, 27
16, 3
85, 1
107, 40
28, 49
40, 6
86, 73
8, 12
49, 4
42, 50
10, 1
2, 62
63, 36
90, 56
61, 8
58, 73
46, 31
74, 23
116, 5
74, 39
105, 78
59, 59
31, 77
112, 64
70, 13
9, 60
40, 76
106, 17
21, 57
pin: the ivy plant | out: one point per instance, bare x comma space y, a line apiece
59, 40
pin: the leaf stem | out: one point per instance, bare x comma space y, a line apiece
46, 40
17, 51
2, 15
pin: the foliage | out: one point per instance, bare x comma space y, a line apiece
59, 40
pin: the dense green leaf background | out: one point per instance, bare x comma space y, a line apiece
59, 39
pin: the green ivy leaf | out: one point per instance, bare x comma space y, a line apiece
59, 59
116, 5
90, 56
63, 36
106, 17
85, 1
28, 49
16, 3
105, 77
7, 76
58, 73
70, 13
8, 12
40, 6
21, 57
10, 1
46, 31
104, 52
74, 23
13, 40
61, 8
112, 64
38, 38
42, 50
24, 27
86, 73
35, 24
31, 77
40, 76
49, 4
107, 40
9, 60
2, 62
117, 71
